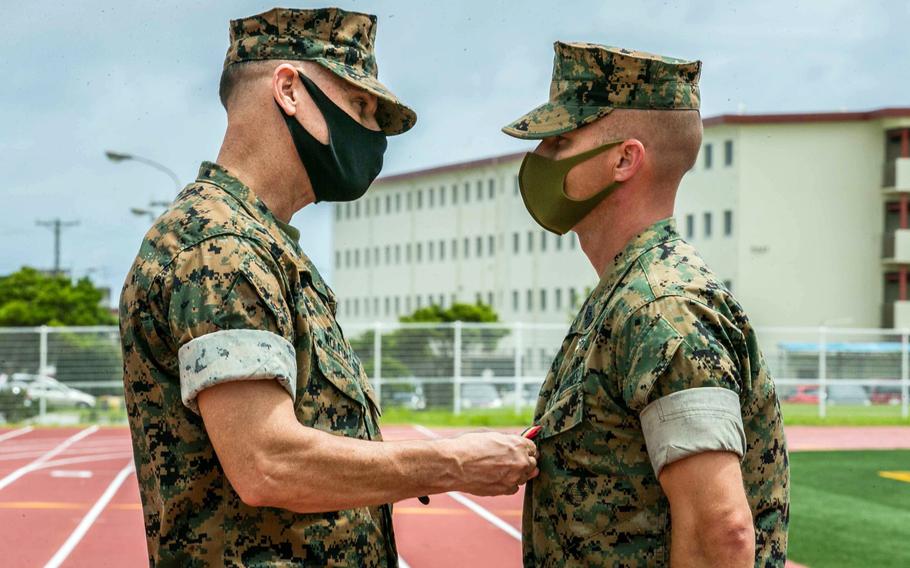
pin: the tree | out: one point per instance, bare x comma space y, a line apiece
427, 351
31, 298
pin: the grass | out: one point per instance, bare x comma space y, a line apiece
794, 415
844, 514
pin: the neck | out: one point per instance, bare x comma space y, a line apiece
607, 230
273, 172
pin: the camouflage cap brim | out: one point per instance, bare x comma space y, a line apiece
393, 116
552, 119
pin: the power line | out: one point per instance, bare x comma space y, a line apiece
57, 225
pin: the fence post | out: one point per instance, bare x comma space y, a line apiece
456, 380
519, 371
377, 361
822, 372
42, 350
905, 375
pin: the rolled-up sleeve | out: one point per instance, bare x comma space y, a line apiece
690, 422
679, 374
229, 318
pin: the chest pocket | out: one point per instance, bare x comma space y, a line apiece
336, 395
564, 409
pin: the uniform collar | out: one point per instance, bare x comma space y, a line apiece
658, 234
210, 172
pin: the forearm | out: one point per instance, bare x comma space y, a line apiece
311, 471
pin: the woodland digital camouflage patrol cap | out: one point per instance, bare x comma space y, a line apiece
339, 40
591, 80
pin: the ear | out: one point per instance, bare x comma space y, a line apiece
283, 79
630, 158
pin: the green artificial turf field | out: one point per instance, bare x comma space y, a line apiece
845, 513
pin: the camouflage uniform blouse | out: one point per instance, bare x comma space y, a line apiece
220, 291
660, 364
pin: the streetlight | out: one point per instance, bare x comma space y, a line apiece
118, 157
142, 212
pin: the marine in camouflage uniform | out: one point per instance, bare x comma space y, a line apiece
221, 291
660, 364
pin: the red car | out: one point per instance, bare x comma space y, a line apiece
805, 394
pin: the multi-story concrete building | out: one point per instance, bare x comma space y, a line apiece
805, 216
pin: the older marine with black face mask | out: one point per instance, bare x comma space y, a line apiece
255, 431
661, 440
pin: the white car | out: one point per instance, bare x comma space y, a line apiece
58, 394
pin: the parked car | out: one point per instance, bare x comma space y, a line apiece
412, 399
480, 395
805, 394
847, 394
59, 395
885, 394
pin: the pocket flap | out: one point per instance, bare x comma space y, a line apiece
563, 414
340, 372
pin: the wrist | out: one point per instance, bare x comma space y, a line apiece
448, 474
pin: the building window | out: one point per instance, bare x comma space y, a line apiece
442, 197
529, 300
728, 152
467, 192
442, 249
407, 253
557, 298
376, 256
543, 300
708, 156
397, 305
409, 201
516, 186
356, 209
397, 203
388, 204
573, 241
690, 226
490, 299
491, 188
491, 245
707, 222
356, 258
337, 212
376, 306
430, 249
347, 210
467, 248
573, 297
431, 197
388, 306
479, 190
516, 242
377, 205
530, 241
347, 259
479, 242
514, 300
477, 298
728, 284
559, 242
420, 199
366, 213
454, 249
728, 222
454, 194
419, 251
356, 306
543, 241
397, 254
419, 301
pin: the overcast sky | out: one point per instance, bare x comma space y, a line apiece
80, 77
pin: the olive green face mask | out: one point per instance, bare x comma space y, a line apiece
543, 188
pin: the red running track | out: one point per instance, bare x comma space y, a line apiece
69, 495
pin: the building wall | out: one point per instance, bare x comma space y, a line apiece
459, 208
810, 248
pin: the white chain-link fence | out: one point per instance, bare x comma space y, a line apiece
74, 374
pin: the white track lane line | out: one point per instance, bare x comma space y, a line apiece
36, 464
470, 503
14, 433
89, 519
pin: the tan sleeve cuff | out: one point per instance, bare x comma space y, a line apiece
235, 355
690, 422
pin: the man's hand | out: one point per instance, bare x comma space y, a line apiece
491, 463
711, 520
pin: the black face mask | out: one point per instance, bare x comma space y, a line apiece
343, 169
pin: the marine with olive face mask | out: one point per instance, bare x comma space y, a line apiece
660, 386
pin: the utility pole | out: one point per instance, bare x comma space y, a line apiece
57, 225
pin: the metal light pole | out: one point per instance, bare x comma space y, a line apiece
57, 225
118, 157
